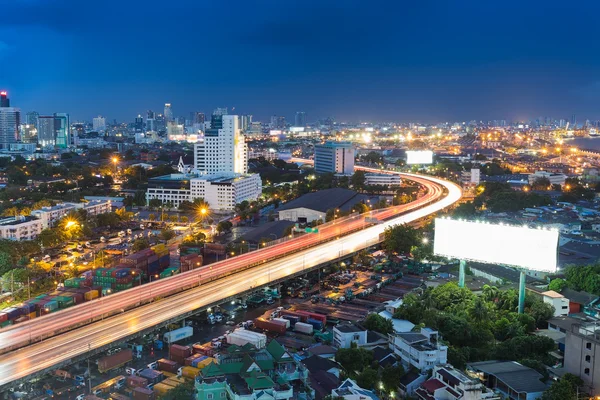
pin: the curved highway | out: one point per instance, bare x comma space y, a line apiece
206, 285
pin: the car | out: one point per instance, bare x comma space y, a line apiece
230, 323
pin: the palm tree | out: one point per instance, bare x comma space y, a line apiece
479, 311
490, 293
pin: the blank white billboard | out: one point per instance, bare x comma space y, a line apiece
530, 248
419, 157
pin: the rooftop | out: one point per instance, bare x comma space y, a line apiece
348, 328
16, 220
324, 200
411, 337
518, 377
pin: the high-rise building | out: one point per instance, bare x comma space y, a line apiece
46, 131
99, 124
4, 100
336, 157
168, 112
138, 125
221, 111
223, 149
300, 119
62, 126
160, 123
573, 121
150, 121
245, 122
197, 117
10, 119
31, 118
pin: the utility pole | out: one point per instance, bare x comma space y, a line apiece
89, 371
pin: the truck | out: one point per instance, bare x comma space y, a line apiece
305, 328
271, 326
241, 337
114, 361
178, 334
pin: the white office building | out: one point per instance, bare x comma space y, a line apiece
99, 124
9, 126
220, 191
382, 179
223, 149
555, 179
336, 157
422, 351
20, 228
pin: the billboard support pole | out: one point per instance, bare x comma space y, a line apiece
461, 273
522, 292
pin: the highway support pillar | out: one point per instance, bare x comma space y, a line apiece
461, 273
522, 292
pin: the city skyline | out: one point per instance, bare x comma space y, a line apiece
387, 61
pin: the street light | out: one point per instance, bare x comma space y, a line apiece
115, 160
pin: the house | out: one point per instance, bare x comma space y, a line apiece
315, 363
399, 325
323, 351
349, 390
578, 300
558, 301
410, 382
323, 383
346, 334
421, 350
448, 383
515, 381
243, 372
384, 356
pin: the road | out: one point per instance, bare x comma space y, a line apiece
41, 355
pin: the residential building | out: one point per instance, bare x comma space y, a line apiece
46, 131
335, 157
382, 179
99, 124
346, 334
245, 373
10, 119
220, 191
582, 345
50, 215
20, 228
223, 149
422, 351
349, 390
448, 383
558, 301
513, 380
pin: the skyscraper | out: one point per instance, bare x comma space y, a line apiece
62, 126
10, 119
168, 112
4, 100
46, 130
99, 124
300, 119
150, 121
197, 118
138, 125
245, 122
223, 149
31, 118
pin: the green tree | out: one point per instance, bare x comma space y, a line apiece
155, 204
6, 262
353, 359
140, 244
358, 180
375, 322
49, 238
167, 234
400, 239
564, 389
152, 217
390, 377
183, 391
184, 219
557, 285
367, 378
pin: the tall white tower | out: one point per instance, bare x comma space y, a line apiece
223, 149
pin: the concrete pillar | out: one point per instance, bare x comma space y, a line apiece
522, 292
461, 273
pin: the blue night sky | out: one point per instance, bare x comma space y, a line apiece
397, 60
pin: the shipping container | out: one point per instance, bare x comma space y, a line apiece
190, 372
13, 312
293, 319
168, 365
116, 360
203, 362
136, 381
140, 393
303, 328
160, 389
91, 295
283, 320
241, 337
178, 334
179, 350
271, 326
318, 325
315, 316
152, 375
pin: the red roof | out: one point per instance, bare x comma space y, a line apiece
432, 385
